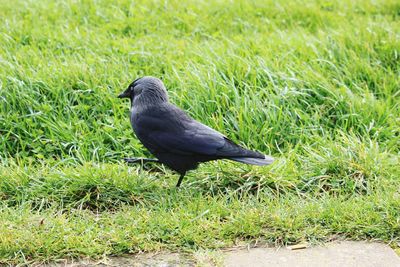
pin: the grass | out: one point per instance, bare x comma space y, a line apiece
314, 84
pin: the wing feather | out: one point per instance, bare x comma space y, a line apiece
171, 130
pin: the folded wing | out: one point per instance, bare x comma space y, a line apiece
179, 134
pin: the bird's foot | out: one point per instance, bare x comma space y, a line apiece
180, 179
139, 160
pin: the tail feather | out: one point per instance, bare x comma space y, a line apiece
254, 161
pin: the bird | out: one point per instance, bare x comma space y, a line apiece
173, 137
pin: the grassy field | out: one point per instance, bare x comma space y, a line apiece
314, 84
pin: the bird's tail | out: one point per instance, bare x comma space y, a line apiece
254, 161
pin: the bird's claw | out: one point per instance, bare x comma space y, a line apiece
139, 160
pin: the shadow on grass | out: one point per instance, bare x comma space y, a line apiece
108, 187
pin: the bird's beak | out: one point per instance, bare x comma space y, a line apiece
125, 94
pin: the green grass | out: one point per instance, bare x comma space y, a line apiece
314, 84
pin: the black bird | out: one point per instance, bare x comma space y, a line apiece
174, 138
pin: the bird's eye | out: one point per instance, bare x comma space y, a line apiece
131, 89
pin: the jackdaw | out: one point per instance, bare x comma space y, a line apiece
173, 137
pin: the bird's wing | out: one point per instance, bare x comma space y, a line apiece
196, 138
178, 133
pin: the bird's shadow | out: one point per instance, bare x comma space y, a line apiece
154, 185
157, 188
241, 185
239, 182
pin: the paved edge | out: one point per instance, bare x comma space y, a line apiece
343, 253
338, 253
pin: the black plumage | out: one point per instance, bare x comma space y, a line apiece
174, 138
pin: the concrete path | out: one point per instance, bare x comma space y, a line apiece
340, 254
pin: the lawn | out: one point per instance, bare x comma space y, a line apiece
314, 84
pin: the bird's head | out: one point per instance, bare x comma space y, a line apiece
145, 90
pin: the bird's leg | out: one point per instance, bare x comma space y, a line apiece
139, 160
180, 179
